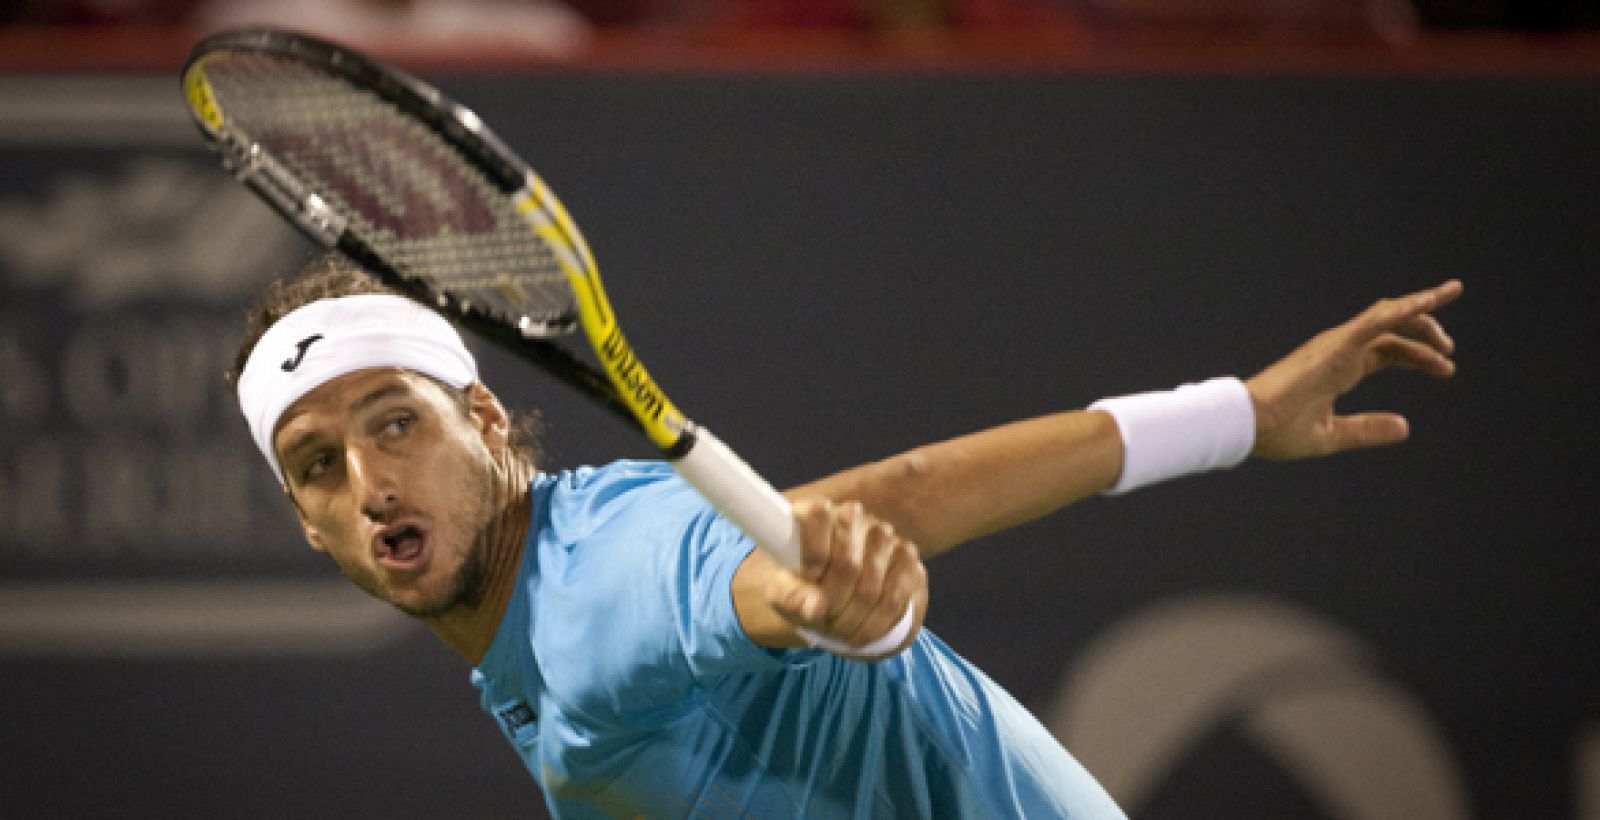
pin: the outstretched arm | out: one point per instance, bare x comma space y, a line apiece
943, 494
865, 529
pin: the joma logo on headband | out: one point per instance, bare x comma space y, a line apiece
300, 353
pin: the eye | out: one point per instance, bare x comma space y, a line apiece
398, 425
316, 467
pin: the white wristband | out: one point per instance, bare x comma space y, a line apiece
1195, 428
890, 639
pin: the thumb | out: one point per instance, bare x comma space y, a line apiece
797, 600
1368, 430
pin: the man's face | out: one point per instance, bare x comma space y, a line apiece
394, 480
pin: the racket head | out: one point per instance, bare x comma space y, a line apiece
370, 161
383, 167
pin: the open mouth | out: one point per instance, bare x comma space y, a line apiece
402, 547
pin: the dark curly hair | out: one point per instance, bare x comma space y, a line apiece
330, 276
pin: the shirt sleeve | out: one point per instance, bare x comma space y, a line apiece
714, 641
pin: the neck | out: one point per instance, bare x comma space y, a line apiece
469, 629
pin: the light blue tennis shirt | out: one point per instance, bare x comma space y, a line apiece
622, 676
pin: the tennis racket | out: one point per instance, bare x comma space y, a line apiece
376, 164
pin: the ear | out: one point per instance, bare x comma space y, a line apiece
313, 535
488, 416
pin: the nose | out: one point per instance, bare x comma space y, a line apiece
372, 478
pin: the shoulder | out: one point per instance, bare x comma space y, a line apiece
591, 495
617, 476
624, 522
609, 590
628, 506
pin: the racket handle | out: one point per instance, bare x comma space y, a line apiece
741, 494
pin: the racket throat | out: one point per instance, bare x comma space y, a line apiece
676, 451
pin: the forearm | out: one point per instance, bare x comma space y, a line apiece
942, 494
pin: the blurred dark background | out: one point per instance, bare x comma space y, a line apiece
1277, 15
838, 230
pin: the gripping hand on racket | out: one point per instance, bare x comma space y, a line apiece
1294, 397
860, 583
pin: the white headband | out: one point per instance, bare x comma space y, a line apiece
320, 341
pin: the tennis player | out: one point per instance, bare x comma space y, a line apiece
637, 651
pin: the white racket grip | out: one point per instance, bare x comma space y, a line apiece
742, 495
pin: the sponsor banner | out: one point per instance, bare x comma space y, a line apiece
138, 516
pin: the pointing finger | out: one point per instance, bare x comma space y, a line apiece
1389, 314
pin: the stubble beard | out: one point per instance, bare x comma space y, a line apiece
464, 591
466, 586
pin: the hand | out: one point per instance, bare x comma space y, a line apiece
857, 580
1294, 397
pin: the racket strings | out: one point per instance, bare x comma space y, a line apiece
404, 190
